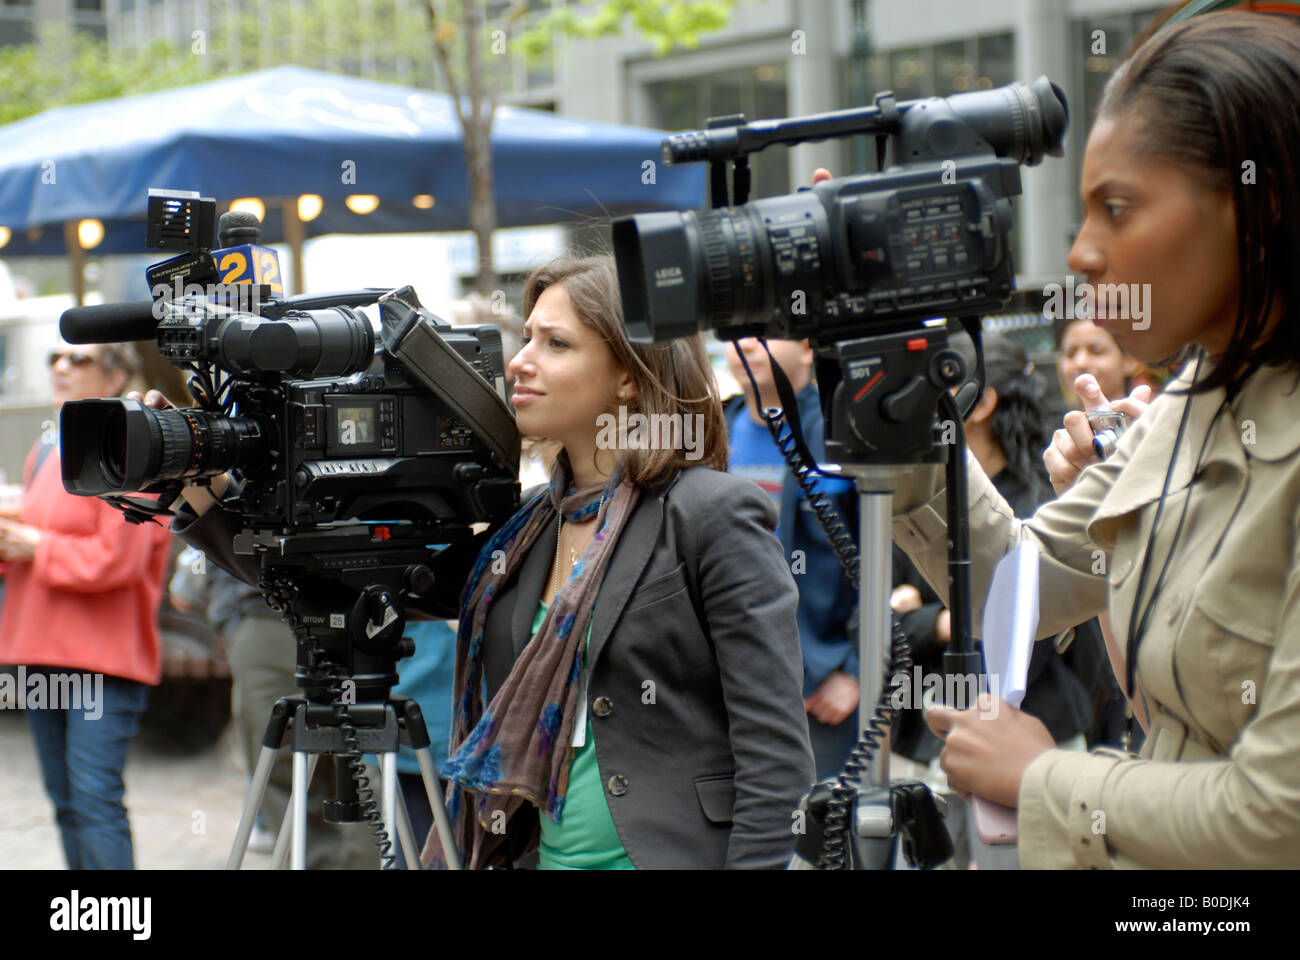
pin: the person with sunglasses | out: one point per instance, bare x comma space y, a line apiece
82, 588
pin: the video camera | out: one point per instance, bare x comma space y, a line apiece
360, 458
868, 268
926, 236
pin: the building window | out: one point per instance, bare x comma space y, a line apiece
15, 32
913, 73
1102, 43
757, 92
515, 73
92, 6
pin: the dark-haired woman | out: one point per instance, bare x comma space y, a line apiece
1188, 532
628, 687
633, 623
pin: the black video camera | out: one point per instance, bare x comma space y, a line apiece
927, 236
357, 455
861, 266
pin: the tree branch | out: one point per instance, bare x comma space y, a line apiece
443, 57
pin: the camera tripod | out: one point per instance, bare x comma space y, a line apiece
317, 729
879, 394
347, 666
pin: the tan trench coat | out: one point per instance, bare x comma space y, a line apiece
1218, 780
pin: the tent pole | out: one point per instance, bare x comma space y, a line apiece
76, 261
293, 233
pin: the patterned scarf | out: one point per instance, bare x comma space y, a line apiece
517, 749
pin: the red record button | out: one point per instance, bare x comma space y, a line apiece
916, 343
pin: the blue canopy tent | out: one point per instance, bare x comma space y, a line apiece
282, 133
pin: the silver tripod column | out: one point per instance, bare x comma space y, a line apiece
876, 487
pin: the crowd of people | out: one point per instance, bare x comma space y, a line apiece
656, 655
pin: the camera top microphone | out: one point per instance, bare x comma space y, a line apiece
109, 322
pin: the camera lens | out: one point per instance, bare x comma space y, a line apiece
139, 446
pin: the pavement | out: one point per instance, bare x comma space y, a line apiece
183, 806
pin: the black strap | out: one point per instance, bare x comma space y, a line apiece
44, 448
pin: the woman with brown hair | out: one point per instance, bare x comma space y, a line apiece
633, 624
628, 688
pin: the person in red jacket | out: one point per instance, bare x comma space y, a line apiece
82, 590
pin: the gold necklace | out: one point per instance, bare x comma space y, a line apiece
573, 554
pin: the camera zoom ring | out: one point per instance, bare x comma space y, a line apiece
181, 446
717, 267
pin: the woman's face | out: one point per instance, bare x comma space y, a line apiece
565, 376
77, 373
1165, 237
1087, 348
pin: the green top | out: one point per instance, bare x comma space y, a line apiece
585, 838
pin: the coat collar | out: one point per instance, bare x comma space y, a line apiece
1262, 423
631, 554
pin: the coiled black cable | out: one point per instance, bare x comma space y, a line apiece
357, 767
837, 532
835, 833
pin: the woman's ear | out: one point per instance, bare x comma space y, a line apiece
625, 386
984, 409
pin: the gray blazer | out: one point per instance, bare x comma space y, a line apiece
695, 673
695, 676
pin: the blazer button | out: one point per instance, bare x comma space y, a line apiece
602, 706
618, 785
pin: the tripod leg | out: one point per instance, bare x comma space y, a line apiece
388, 797
252, 804
280, 856
450, 855
298, 804
402, 818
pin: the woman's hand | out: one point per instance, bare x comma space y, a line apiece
18, 541
987, 750
1071, 447
154, 398
835, 699
200, 497
905, 598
